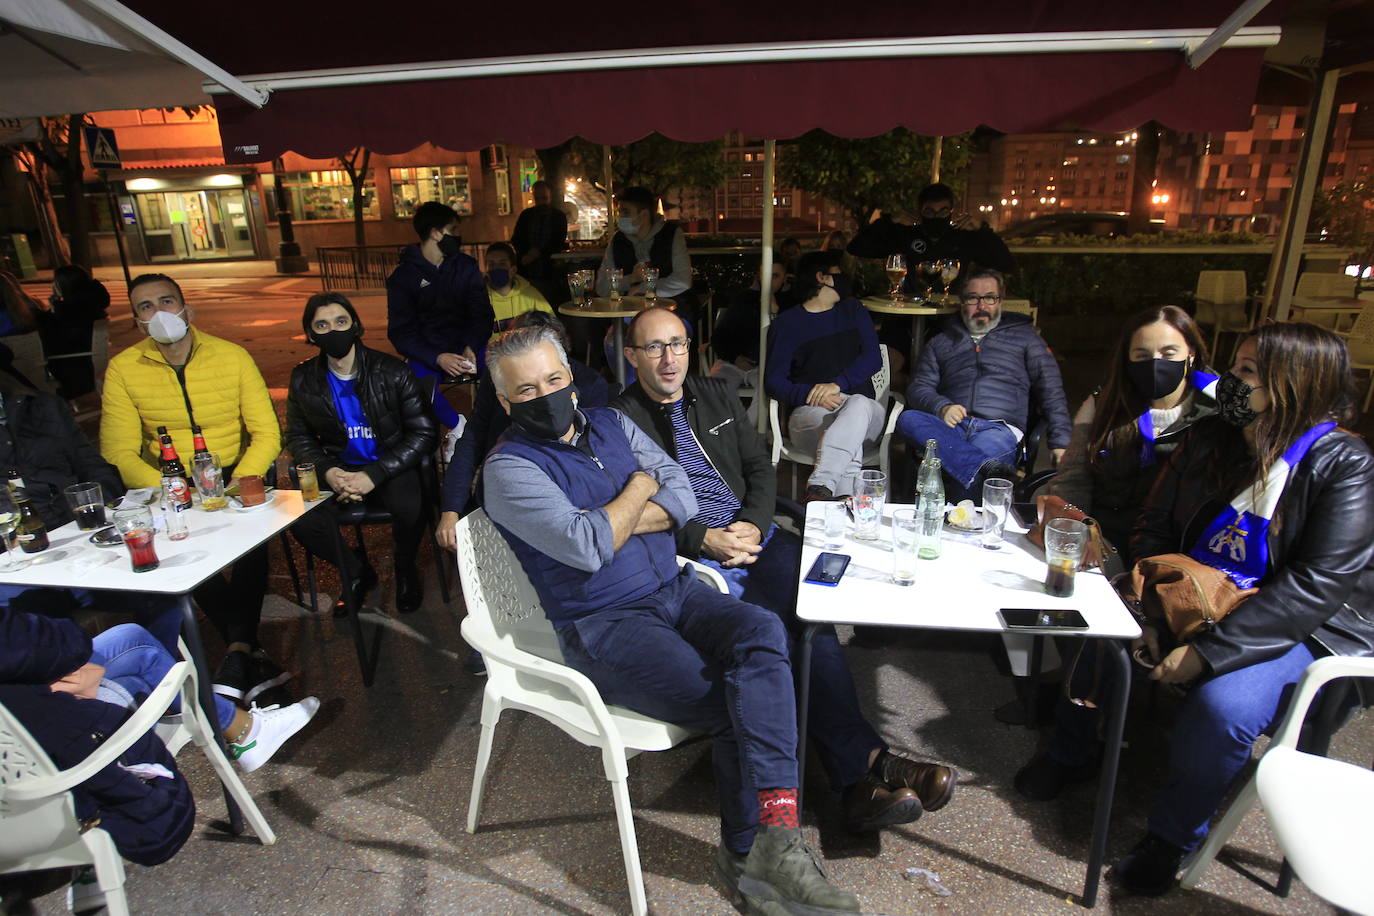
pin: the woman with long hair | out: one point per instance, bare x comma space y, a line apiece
1157, 387
1274, 494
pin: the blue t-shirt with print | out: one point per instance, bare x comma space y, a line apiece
362, 445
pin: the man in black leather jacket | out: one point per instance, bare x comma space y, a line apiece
701, 423
360, 417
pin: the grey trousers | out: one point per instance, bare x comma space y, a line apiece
837, 437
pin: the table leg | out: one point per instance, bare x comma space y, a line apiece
918, 338
1037, 660
618, 335
804, 706
1106, 785
190, 631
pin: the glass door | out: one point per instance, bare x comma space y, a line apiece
234, 227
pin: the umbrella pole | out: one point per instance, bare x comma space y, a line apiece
765, 277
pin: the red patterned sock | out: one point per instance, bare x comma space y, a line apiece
778, 808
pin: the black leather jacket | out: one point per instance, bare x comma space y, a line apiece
737, 452
400, 414
1319, 588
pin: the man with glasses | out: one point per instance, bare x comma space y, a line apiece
701, 423
938, 234
821, 361
972, 387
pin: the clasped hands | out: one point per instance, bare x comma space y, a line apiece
826, 394
349, 486
737, 544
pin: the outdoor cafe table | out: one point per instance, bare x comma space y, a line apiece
624, 307
1328, 311
217, 540
963, 590
919, 310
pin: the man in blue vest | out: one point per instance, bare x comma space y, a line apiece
588, 503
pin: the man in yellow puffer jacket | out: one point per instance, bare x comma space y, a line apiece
177, 378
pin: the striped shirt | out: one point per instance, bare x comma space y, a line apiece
716, 503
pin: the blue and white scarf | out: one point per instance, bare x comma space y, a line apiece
1203, 381
1237, 541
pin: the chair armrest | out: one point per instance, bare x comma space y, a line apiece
705, 573
1317, 674
1024, 490
894, 412
135, 727
775, 425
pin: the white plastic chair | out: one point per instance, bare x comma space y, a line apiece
1023, 307
1320, 809
525, 671
1221, 299
876, 454
1360, 342
38, 824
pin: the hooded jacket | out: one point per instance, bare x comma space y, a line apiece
432, 310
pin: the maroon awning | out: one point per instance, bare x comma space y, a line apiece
1020, 93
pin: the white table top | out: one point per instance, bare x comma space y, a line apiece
217, 539
962, 590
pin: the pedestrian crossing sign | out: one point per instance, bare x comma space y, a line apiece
100, 144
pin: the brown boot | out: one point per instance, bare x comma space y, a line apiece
934, 783
868, 805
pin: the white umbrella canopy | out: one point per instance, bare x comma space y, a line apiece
64, 56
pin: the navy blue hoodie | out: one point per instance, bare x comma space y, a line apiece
432, 310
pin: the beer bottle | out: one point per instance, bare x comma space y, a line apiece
202, 451
175, 486
33, 534
169, 462
15, 482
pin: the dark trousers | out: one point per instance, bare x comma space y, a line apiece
401, 496
233, 602
842, 736
691, 656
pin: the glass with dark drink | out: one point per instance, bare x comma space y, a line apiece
135, 525
1065, 542
87, 502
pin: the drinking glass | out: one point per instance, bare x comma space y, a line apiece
588, 286
87, 502
209, 483
617, 276
836, 519
896, 273
996, 505
310, 482
868, 505
905, 531
931, 271
949, 272
9, 533
135, 525
651, 275
576, 287
1065, 542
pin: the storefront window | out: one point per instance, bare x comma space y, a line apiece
501, 181
529, 174
326, 195
447, 184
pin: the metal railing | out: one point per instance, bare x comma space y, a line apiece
368, 266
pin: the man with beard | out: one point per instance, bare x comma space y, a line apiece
972, 387
934, 237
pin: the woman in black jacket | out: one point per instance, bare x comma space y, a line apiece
1271, 491
1157, 388
78, 301
360, 417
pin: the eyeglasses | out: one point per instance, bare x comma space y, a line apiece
932, 213
679, 346
992, 299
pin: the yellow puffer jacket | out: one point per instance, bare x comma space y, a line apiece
522, 298
225, 390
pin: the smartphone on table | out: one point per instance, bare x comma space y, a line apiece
1028, 618
828, 569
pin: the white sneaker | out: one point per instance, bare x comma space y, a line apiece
84, 894
451, 438
271, 727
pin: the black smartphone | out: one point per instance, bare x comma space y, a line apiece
1025, 514
1029, 618
828, 569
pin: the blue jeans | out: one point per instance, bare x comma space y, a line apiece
442, 408
843, 737
691, 656
964, 448
135, 660
1217, 725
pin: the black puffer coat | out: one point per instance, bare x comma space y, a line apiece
43, 443
1319, 588
400, 414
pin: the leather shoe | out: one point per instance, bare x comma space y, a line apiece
363, 583
1148, 870
933, 783
868, 805
410, 590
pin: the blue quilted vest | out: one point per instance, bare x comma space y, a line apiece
641, 567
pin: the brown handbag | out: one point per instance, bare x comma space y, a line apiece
1187, 596
1053, 507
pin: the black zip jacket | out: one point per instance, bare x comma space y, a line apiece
40, 440
400, 414
717, 419
1319, 588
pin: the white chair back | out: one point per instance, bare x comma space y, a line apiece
498, 593
31, 826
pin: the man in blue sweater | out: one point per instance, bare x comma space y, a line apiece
438, 315
588, 504
821, 361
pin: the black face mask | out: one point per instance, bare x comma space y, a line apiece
841, 286
1156, 378
449, 245
337, 343
935, 226
1233, 401
546, 417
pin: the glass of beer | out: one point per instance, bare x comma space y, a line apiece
1065, 542
135, 525
896, 273
617, 276
209, 483
310, 483
87, 503
651, 275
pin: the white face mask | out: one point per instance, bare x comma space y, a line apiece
628, 225
167, 327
